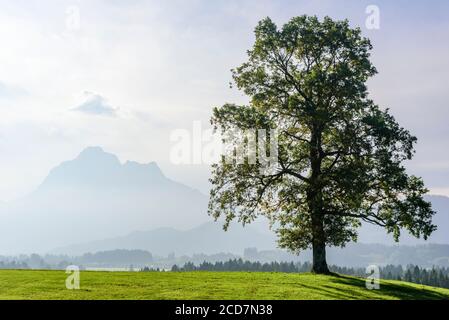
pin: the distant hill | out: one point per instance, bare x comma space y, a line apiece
208, 238
364, 254
95, 196
122, 258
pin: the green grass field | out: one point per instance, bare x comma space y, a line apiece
27, 284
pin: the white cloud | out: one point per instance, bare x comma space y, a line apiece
95, 104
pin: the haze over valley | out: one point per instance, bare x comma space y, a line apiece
95, 203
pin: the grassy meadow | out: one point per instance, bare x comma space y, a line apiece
37, 284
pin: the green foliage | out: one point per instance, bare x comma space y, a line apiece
340, 157
28, 284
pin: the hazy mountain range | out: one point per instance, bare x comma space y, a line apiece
208, 238
95, 196
94, 203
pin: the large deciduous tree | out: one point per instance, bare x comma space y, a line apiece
340, 157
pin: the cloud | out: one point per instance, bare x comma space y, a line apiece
95, 104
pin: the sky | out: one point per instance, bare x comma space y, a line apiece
124, 75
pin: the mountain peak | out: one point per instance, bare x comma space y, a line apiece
97, 154
95, 168
150, 167
92, 149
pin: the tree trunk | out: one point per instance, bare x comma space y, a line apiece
319, 246
315, 201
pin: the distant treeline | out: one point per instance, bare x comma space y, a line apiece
436, 276
354, 255
110, 258
13, 265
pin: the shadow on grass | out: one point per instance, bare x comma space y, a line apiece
404, 291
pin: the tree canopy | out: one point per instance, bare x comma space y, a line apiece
340, 157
